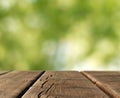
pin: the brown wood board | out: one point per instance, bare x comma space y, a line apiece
14, 84
66, 84
108, 81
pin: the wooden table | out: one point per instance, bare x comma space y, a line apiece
59, 84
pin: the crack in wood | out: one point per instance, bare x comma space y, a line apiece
44, 83
45, 91
49, 88
39, 95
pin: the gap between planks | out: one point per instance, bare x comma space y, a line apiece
4, 72
28, 87
106, 89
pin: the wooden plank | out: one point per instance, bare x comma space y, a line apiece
3, 72
64, 85
14, 84
109, 81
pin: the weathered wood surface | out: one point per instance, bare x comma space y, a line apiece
59, 84
109, 82
64, 85
13, 84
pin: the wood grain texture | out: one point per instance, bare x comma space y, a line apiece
64, 85
109, 81
13, 84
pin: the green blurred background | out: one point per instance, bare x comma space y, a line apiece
59, 34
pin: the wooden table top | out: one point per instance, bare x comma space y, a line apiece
60, 84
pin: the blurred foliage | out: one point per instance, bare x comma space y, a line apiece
59, 34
